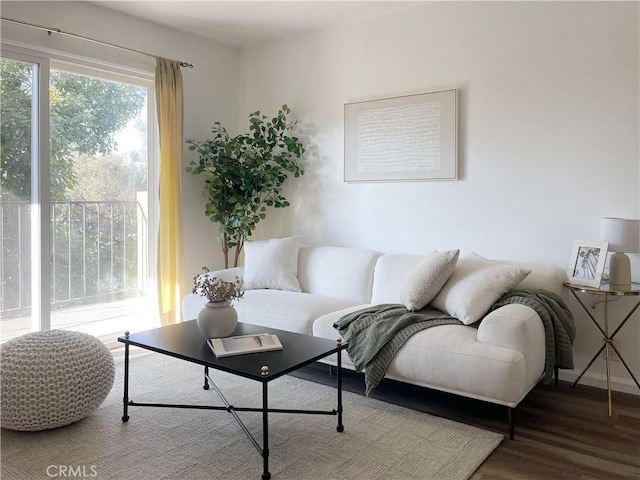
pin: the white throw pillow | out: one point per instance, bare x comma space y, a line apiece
475, 285
424, 281
272, 264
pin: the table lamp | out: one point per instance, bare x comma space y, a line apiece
623, 235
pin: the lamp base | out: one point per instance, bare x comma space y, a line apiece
619, 270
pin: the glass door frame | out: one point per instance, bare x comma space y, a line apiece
40, 173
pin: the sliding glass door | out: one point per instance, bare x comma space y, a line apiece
87, 260
24, 135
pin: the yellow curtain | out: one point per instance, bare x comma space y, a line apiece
170, 240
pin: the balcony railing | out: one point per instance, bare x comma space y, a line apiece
98, 253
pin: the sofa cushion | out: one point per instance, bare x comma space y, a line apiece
391, 270
272, 264
549, 277
475, 285
425, 280
337, 271
450, 358
284, 310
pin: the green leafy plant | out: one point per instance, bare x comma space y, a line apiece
85, 114
244, 175
216, 289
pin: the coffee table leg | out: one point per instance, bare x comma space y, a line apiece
340, 427
266, 475
206, 378
125, 399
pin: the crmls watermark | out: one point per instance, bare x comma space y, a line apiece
72, 471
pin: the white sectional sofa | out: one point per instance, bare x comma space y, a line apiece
499, 361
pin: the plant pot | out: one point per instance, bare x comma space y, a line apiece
217, 320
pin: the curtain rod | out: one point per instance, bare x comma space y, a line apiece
50, 30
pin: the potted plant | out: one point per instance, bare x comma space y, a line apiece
245, 174
216, 289
218, 318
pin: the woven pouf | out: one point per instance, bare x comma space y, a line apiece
52, 378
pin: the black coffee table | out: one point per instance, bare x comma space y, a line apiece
184, 341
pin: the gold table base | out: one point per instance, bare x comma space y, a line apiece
608, 345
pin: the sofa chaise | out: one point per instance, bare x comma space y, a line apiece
307, 289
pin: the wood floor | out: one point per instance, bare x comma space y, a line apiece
562, 432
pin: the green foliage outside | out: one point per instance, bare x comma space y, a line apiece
245, 174
85, 113
93, 245
108, 178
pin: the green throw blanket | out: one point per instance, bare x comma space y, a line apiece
376, 333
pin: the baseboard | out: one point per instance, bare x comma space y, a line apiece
618, 384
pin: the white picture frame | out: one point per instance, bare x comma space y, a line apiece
587, 263
397, 139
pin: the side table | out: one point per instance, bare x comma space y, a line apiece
606, 291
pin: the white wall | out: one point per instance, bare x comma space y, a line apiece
549, 133
210, 88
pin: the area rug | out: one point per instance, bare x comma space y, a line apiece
380, 441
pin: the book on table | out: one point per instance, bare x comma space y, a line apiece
240, 345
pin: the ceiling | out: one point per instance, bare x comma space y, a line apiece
240, 23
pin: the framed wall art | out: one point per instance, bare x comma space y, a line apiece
408, 138
587, 263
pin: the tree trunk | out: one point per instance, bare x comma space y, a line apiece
225, 250
238, 250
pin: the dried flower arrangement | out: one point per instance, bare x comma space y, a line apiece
215, 289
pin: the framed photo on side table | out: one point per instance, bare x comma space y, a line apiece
587, 263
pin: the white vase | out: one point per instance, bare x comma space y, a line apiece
217, 320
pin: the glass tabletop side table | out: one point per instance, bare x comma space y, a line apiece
606, 291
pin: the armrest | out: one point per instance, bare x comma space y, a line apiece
519, 328
191, 306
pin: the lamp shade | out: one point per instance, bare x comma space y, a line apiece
623, 234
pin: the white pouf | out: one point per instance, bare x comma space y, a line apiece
52, 378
